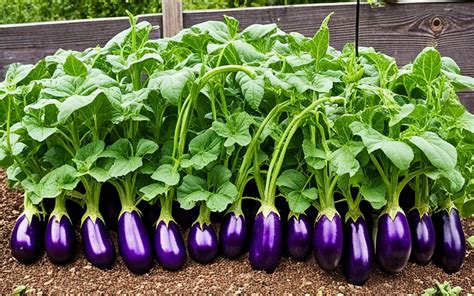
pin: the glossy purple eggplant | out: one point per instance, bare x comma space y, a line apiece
27, 239
358, 252
60, 240
266, 242
422, 237
98, 247
233, 235
134, 244
328, 242
202, 243
169, 245
450, 248
298, 237
393, 244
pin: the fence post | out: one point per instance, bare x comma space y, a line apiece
172, 17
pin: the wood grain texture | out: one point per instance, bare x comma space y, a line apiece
398, 30
172, 17
27, 43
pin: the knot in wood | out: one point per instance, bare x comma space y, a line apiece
436, 24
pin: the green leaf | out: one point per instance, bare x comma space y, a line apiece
468, 121
191, 191
232, 25
440, 153
124, 166
36, 130
470, 240
427, 65
74, 67
165, 174
120, 149
57, 156
226, 194
171, 84
292, 183
204, 149
145, 147
58, 180
344, 159
322, 84
398, 152
319, 44
460, 82
374, 192
404, 111
74, 103
291, 180
257, 32
314, 157
252, 89
87, 155
235, 130
151, 191
99, 174
448, 64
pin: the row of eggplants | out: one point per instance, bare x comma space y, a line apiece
349, 123
330, 240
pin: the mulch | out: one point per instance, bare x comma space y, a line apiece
222, 276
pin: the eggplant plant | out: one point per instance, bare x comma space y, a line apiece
193, 121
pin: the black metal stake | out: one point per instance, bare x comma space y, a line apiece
357, 28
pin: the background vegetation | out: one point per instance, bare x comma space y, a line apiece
23, 11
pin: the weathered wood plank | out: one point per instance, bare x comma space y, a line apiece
172, 17
401, 31
27, 43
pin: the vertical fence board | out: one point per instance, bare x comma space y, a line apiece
172, 17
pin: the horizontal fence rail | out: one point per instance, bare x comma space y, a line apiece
401, 30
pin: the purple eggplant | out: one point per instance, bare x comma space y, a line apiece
202, 243
393, 245
422, 236
450, 242
298, 237
358, 252
169, 245
328, 242
265, 243
134, 244
26, 241
98, 247
233, 235
60, 239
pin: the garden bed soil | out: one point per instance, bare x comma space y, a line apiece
222, 276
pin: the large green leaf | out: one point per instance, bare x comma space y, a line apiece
440, 153
235, 130
398, 152
203, 149
427, 65
252, 89
165, 174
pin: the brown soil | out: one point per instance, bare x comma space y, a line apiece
222, 276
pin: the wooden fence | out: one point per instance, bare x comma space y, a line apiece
399, 30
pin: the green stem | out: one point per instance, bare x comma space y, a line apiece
248, 156
167, 207
380, 170
278, 155
408, 178
204, 215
